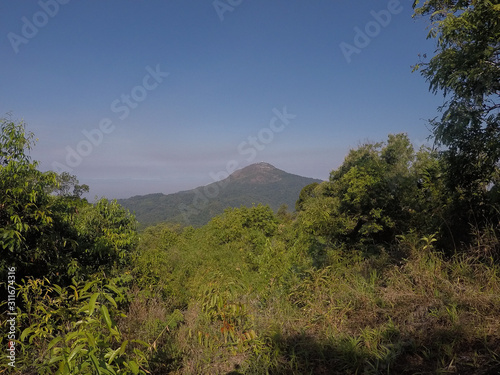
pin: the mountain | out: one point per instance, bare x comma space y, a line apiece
257, 183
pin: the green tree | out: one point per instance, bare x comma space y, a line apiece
306, 193
26, 210
106, 235
381, 190
243, 223
59, 235
466, 69
68, 186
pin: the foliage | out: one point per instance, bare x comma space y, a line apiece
54, 236
374, 195
253, 292
73, 330
107, 234
275, 313
466, 68
14, 141
66, 183
306, 193
237, 223
26, 210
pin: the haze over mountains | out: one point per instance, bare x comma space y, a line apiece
259, 183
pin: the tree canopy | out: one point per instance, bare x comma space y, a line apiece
45, 228
466, 69
381, 190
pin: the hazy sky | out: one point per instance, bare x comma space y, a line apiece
137, 97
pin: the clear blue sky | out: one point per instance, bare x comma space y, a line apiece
70, 68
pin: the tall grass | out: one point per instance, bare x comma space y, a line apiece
265, 305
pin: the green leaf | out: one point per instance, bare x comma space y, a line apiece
115, 333
53, 342
70, 336
95, 363
58, 289
134, 367
110, 370
75, 292
107, 318
63, 370
114, 289
56, 359
84, 308
141, 342
25, 333
89, 285
91, 339
110, 299
92, 302
75, 352
123, 347
113, 355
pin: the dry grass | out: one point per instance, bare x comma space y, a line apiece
427, 315
423, 314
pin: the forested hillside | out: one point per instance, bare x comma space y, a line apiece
259, 183
392, 266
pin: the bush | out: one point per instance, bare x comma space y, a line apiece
73, 330
380, 191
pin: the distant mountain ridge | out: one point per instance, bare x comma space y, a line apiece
257, 183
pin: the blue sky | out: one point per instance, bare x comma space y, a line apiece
172, 93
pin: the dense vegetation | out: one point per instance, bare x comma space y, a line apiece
359, 279
257, 183
391, 266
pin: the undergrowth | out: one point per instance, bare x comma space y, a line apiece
267, 309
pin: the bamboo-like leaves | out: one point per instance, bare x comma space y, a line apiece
107, 318
91, 342
92, 302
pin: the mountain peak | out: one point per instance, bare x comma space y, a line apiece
258, 173
256, 183
264, 165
